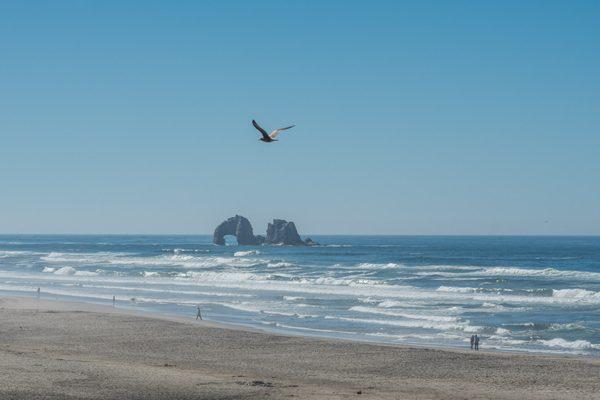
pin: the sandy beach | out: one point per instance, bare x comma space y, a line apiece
61, 350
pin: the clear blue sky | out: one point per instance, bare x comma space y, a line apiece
417, 117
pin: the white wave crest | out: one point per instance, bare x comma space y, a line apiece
163, 260
280, 264
391, 303
371, 266
546, 272
368, 300
293, 298
453, 289
576, 294
73, 271
460, 326
374, 310
65, 271
210, 276
575, 326
246, 253
566, 344
326, 280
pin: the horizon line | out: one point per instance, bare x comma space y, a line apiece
324, 234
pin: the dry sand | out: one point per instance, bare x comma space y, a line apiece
59, 350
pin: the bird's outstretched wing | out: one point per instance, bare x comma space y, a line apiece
260, 129
274, 134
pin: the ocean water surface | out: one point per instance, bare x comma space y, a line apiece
533, 294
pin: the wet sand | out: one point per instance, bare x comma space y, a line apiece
61, 350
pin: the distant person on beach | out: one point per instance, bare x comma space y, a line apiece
476, 342
198, 314
472, 341
38, 293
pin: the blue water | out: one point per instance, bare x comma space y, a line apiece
538, 294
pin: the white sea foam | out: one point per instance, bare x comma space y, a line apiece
462, 326
73, 271
166, 290
371, 266
163, 260
546, 272
575, 326
270, 309
426, 317
91, 258
453, 289
280, 264
303, 328
178, 250
288, 314
563, 296
246, 253
65, 271
505, 340
368, 300
473, 272
566, 344
293, 298
49, 269
326, 280
227, 277
576, 294
391, 303
14, 253
444, 267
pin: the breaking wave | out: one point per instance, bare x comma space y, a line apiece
460, 326
246, 253
546, 273
164, 260
566, 344
576, 294
426, 317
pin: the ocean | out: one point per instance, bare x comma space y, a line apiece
525, 294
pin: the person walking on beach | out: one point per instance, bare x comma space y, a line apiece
38, 293
472, 341
198, 314
476, 342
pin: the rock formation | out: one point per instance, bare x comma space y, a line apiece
309, 242
283, 232
280, 232
237, 226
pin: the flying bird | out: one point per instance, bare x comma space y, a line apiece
269, 137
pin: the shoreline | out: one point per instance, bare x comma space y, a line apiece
58, 349
145, 313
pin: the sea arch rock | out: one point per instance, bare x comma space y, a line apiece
239, 227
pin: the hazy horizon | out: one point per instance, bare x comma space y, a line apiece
303, 234
412, 118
